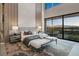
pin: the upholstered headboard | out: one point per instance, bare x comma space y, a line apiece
27, 28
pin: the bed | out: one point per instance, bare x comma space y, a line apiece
38, 40
38, 43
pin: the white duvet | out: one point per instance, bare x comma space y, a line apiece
51, 38
38, 42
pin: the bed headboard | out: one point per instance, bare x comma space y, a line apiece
22, 29
27, 28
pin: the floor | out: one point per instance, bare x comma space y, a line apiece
19, 49
62, 48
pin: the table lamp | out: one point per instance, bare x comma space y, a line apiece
39, 28
15, 29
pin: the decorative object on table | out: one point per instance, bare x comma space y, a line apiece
27, 33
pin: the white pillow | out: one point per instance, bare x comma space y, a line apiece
51, 38
43, 35
34, 33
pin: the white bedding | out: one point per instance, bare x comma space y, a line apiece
51, 38
22, 38
38, 42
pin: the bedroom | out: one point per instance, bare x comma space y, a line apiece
19, 19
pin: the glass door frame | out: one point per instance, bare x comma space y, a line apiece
52, 18
62, 16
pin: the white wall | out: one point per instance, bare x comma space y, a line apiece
62, 9
26, 15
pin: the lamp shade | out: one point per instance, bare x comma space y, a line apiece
14, 27
39, 27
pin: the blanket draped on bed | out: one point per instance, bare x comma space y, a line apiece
28, 39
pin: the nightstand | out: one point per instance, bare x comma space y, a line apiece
15, 38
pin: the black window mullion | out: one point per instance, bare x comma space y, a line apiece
62, 27
52, 26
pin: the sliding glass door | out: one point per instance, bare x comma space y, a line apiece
57, 27
71, 27
53, 27
48, 27
65, 27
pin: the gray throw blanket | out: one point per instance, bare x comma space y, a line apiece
28, 39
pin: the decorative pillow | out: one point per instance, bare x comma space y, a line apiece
28, 33
34, 37
25, 33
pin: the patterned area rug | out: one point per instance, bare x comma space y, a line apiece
62, 48
20, 54
19, 49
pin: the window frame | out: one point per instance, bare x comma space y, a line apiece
62, 17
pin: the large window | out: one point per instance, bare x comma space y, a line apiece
66, 26
54, 27
48, 5
49, 25
57, 27
71, 27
